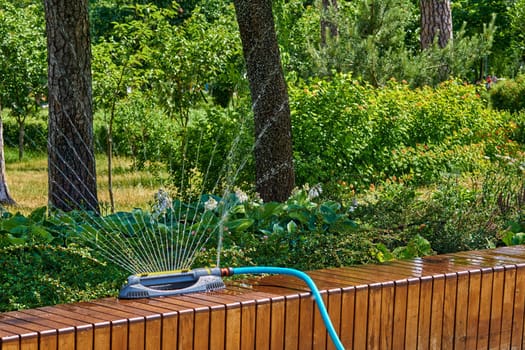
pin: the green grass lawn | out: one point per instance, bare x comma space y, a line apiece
27, 181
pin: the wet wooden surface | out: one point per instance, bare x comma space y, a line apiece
467, 300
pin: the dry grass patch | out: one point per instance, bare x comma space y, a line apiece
27, 181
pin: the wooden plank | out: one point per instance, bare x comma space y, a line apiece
306, 321
436, 320
519, 309
292, 317
474, 300
374, 316
136, 333
425, 310
263, 318
170, 329
30, 343
348, 316
412, 314
153, 328
277, 323
509, 287
185, 331
47, 337
496, 311
449, 311
233, 326
65, 331
462, 297
217, 327
23, 335
487, 277
10, 342
361, 317
247, 326
201, 330
334, 311
95, 331
400, 314
387, 314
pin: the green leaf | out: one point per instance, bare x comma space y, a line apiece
240, 224
291, 226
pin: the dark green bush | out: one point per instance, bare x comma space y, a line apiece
35, 134
38, 275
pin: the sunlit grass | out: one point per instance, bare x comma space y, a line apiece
28, 183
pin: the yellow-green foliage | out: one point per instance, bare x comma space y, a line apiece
347, 131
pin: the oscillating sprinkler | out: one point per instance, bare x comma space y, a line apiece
166, 283
205, 280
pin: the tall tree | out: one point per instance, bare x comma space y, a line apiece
274, 168
328, 24
436, 21
5, 196
72, 176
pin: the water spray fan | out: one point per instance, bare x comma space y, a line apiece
167, 283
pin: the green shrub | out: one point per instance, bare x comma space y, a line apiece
508, 94
457, 213
38, 275
348, 132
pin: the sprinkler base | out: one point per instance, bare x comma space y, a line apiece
170, 283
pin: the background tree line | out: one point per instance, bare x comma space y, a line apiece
154, 63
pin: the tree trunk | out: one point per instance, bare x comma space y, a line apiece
21, 135
5, 197
436, 20
71, 163
328, 24
274, 169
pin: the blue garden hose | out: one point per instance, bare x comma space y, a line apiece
309, 282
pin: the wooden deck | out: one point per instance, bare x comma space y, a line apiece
468, 300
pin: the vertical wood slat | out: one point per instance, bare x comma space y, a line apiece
519, 309
465, 300
436, 319
425, 310
474, 300
400, 313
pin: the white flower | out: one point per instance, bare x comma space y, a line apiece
315, 192
241, 196
210, 204
162, 203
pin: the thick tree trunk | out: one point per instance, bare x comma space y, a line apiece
5, 197
274, 171
328, 24
72, 176
436, 20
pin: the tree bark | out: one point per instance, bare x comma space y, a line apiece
71, 163
436, 20
5, 196
328, 25
274, 170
